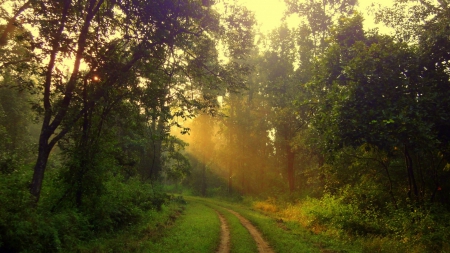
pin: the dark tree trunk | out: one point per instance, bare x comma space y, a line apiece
230, 168
83, 145
391, 192
41, 164
204, 178
290, 168
230, 179
244, 190
157, 137
155, 168
262, 177
411, 179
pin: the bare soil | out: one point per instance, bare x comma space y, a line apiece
224, 246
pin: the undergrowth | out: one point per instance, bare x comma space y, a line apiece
123, 206
407, 229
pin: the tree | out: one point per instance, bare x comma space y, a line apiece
279, 68
373, 90
109, 44
202, 148
15, 125
288, 67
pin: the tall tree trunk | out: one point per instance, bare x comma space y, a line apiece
204, 178
262, 171
41, 163
230, 139
230, 179
155, 168
411, 179
391, 192
243, 189
157, 132
84, 149
290, 168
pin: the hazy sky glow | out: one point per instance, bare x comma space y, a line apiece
269, 13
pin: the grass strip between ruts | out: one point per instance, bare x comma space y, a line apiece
197, 230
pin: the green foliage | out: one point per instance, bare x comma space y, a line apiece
176, 164
123, 204
343, 217
15, 126
25, 229
411, 229
374, 114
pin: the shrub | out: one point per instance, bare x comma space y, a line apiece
24, 228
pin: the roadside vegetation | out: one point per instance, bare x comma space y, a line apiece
368, 230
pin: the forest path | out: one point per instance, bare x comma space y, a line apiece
224, 227
263, 246
226, 242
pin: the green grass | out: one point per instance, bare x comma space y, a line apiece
197, 230
285, 236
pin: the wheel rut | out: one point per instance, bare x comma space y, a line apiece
224, 247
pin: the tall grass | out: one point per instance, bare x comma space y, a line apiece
425, 229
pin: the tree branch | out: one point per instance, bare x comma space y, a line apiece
10, 25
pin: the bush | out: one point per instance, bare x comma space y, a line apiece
408, 229
125, 203
24, 228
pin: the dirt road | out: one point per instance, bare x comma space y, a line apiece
263, 246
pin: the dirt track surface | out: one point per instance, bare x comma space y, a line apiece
224, 246
263, 246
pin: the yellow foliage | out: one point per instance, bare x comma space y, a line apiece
265, 206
